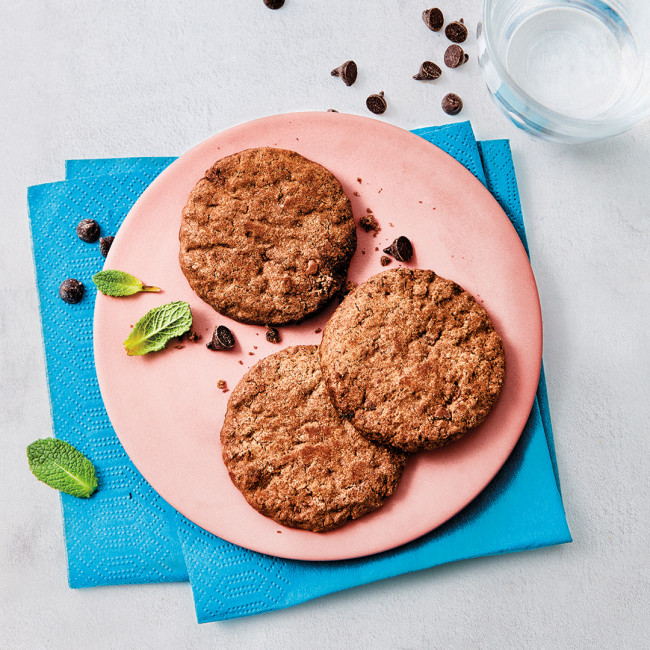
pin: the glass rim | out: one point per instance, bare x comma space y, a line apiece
612, 127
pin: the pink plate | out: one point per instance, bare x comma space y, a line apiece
166, 407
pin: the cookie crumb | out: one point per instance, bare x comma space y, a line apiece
318, 330
272, 334
369, 223
194, 336
356, 193
180, 346
221, 384
384, 260
359, 180
241, 363
251, 354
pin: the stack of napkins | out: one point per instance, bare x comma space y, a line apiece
126, 533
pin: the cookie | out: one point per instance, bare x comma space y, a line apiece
412, 359
267, 237
292, 455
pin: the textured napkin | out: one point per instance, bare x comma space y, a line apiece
127, 533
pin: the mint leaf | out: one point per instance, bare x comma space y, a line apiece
155, 329
119, 283
61, 466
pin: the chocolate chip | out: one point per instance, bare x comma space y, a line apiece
274, 4
455, 56
376, 103
347, 71
433, 19
105, 244
222, 339
88, 230
384, 260
452, 104
272, 334
456, 32
71, 291
401, 249
428, 70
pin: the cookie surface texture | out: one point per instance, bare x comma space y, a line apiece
267, 236
292, 455
412, 359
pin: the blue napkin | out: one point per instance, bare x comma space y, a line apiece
126, 533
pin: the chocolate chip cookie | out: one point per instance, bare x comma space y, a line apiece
293, 456
267, 237
412, 359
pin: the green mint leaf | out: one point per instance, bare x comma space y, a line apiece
119, 283
155, 329
61, 466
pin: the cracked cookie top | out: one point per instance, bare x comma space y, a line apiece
412, 359
267, 236
293, 456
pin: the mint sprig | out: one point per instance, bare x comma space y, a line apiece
62, 467
119, 283
157, 327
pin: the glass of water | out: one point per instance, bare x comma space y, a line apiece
568, 70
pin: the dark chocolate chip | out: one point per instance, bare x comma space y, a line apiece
384, 260
274, 4
452, 104
456, 32
433, 19
347, 71
88, 230
222, 339
401, 249
428, 70
71, 291
272, 334
105, 244
376, 103
455, 56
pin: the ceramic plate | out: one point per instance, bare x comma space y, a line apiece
166, 407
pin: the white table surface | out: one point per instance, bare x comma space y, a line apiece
121, 78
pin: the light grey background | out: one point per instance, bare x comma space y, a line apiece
99, 79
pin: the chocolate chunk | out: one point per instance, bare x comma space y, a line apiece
71, 291
274, 4
376, 103
105, 244
433, 19
272, 334
428, 70
88, 230
452, 104
455, 56
347, 71
222, 339
401, 249
456, 32
384, 260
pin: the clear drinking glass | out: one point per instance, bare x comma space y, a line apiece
568, 70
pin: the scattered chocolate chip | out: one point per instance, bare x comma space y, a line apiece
222, 339
456, 32
332, 110
376, 103
428, 70
433, 19
347, 71
452, 104
274, 4
88, 230
401, 249
369, 223
71, 291
384, 260
194, 336
222, 384
272, 334
455, 56
105, 244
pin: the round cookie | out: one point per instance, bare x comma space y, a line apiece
412, 359
267, 236
292, 455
